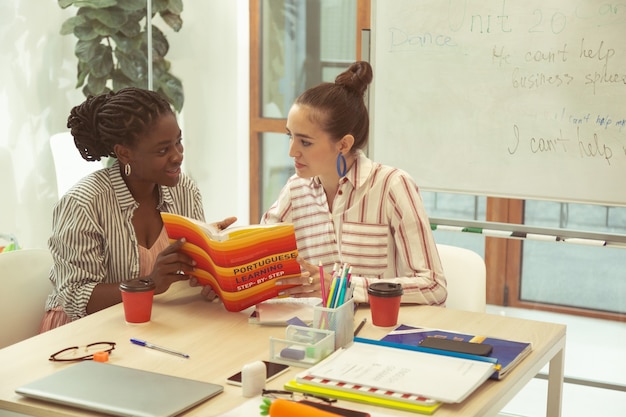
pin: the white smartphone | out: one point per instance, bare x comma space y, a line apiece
273, 369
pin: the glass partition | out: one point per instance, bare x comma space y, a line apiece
576, 275
302, 44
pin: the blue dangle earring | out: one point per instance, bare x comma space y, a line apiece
342, 166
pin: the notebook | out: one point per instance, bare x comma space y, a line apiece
120, 391
508, 352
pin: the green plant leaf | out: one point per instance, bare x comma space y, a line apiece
94, 4
133, 64
85, 32
173, 20
64, 4
101, 64
86, 50
95, 86
102, 29
83, 71
111, 46
133, 5
175, 6
159, 5
161, 66
120, 81
172, 88
126, 44
160, 45
112, 17
67, 28
132, 27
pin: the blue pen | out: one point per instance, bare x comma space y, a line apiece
494, 361
155, 347
338, 289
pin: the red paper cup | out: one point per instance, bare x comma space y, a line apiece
137, 295
384, 300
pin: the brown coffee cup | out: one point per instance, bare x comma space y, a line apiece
384, 298
137, 296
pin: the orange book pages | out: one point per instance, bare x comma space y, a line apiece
248, 249
242, 246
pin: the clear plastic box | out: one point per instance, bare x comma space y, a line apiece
340, 320
302, 346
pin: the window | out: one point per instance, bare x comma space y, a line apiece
301, 44
460, 207
574, 275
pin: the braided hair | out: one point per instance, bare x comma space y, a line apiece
122, 117
339, 107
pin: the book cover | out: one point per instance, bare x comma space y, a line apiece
241, 263
507, 352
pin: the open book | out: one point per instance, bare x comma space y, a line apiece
240, 263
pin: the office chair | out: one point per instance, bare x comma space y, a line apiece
466, 275
24, 281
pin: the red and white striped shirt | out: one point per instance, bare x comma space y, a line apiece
378, 225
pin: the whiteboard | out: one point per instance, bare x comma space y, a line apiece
505, 98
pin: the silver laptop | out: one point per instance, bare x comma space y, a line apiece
120, 391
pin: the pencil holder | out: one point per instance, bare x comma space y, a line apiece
340, 320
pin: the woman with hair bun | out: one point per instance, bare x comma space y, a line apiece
348, 209
107, 228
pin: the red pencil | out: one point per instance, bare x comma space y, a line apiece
322, 283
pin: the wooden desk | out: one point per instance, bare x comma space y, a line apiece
220, 342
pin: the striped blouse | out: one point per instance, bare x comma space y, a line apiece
93, 239
378, 225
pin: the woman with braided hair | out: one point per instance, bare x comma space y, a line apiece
348, 209
107, 228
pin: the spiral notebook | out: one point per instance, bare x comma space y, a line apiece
120, 391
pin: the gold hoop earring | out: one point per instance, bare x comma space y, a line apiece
127, 170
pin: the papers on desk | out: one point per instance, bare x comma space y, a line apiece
277, 311
402, 375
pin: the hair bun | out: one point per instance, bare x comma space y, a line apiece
356, 78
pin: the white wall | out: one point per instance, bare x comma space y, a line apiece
211, 55
37, 78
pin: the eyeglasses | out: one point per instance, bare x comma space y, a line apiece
268, 393
82, 353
